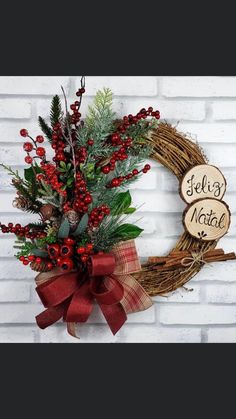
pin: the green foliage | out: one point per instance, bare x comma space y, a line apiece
29, 173
64, 229
127, 232
39, 252
121, 203
25, 249
82, 225
45, 128
56, 111
99, 124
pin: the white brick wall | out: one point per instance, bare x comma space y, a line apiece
202, 106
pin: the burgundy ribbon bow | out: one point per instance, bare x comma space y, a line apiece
71, 295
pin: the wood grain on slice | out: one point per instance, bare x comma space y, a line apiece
207, 219
202, 181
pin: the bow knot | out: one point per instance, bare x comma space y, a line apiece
108, 281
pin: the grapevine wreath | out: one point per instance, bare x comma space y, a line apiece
83, 246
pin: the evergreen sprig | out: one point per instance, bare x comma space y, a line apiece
45, 128
56, 110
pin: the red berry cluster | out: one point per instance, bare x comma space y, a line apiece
20, 231
133, 119
81, 155
119, 155
62, 255
32, 258
84, 252
28, 147
58, 144
80, 91
97, 214
116, 182
50, 176
82, 196
75, 117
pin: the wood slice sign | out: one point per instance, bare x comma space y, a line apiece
207, 219
202, 181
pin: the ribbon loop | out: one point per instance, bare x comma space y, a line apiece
101, 264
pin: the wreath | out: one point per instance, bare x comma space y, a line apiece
83, 247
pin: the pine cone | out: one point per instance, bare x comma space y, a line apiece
73, 217
21, 203
40, 267
47, 211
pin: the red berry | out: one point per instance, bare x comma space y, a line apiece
90, 142
40, 151
84, 258
135, 172
49, 265
115, 183
39, 139
80, 250
28, 147
31, 258
54, 250
25, 262
66, 250
24, 132
89, 247
38, 260
147, 167
21, 258
106, 170
28, 159
88, 199
68, 241
67, 264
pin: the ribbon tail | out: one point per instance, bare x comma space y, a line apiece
50, 316
81, 305
115, 316
135, 297
71, 329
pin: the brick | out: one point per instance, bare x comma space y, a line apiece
13, 269
197, 314
160, 202
18, 334
199, 86
154, 246
147, 316
18, 313
122, 86
221, 132
219, 271
15, 108
224, 294
13, 154
87, 334
214, 154
147, 181
155, 334
10, 129
171, 110
26, 85
191, 294
222, 335
6, 246
223, 110
12, 291
145, 221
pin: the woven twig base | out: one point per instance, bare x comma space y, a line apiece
178, 153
